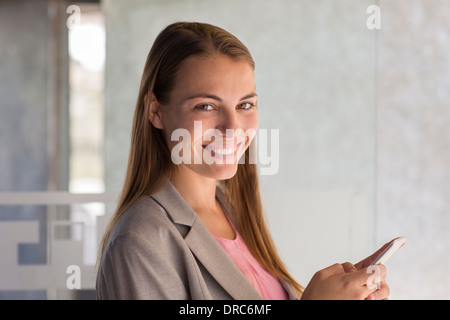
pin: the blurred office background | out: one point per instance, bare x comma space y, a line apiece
363, 116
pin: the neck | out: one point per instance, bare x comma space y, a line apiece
198, 191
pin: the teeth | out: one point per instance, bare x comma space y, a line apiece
221, 151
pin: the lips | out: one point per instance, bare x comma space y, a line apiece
221, 151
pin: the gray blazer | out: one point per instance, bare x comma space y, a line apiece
160, 249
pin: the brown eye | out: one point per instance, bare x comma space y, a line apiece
246, 106
205, 107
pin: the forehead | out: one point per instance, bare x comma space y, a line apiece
215, 74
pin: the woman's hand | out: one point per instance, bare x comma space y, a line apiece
346, 282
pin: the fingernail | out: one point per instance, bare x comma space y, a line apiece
371, 297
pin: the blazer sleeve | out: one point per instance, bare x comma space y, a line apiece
134, 267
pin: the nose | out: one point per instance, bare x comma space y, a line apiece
227, 127
229, 123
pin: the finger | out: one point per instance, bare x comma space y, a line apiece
381, 294
369, 277
368, 282
359, 276
348, 267
357, 280
377, 274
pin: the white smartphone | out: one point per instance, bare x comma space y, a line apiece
390, 250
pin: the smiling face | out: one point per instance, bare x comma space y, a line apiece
214, 99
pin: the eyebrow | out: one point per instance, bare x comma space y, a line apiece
214, 97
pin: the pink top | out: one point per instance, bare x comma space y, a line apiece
265, 283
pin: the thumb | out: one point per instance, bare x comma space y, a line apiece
348, 267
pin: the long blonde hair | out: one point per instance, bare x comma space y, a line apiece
150, 164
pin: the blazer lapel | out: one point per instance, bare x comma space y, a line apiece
205, 247
209, 252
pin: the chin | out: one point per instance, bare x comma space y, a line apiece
222, 171
228, 174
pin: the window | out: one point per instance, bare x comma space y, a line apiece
52, 189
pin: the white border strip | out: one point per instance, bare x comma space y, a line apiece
54, 198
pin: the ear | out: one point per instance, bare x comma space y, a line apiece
154, 111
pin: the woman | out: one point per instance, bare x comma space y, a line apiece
189, 223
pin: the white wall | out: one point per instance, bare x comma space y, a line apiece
413, 164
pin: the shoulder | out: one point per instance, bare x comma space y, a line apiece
142, 251
144, 214
146, 223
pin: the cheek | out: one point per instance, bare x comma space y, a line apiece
201, 129
188, 133
255, 121
251, 125
175, 126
